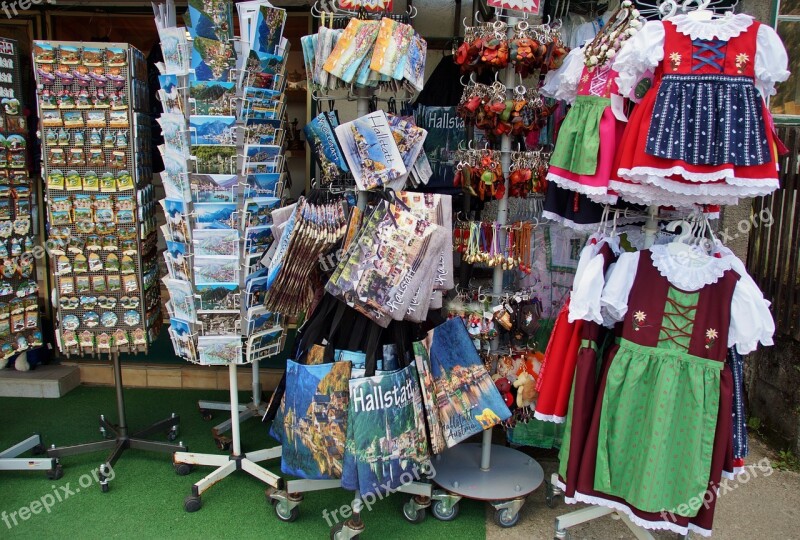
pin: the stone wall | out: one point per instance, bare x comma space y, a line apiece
772, 374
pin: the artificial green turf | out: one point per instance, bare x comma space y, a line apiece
145, 499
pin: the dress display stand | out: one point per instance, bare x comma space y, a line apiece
116, 435
256, 408
467, 470
591, 513
226, 464
10, 460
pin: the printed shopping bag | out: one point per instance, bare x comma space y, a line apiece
315, 419
386, 444
466, 399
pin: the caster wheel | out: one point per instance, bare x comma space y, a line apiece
206, 415
549, 497
287, 516
441, 514
104, 487
38, 450
565, 537
55, 474
172, 435
413, 515
336, 533
503, 518
182, 469
192, 503
223, 443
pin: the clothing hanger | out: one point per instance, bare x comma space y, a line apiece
702, 13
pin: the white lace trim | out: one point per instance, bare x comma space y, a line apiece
598, 194
554, 418
725, 28
646, 524
733, 187
687, 276
647, 195
653, 174
584, 227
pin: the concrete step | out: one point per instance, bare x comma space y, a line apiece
46, 381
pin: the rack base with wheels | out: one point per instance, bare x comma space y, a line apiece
226, 465
255, 409
286, 502
116, 436
512, 477
10, 460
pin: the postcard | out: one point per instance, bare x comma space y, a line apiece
212, 60
269, 30
175, 49
214, 159
219, 323
259, 319
258, 239
264, 184
174, 177
219, 350
261, 153
258, 211
208, 188
212, 97
215, 242
414, 70
181, 299
217, 130
218, 296
351, 48
265, 343
173, 127
176, 212
263, 131
215, 269
211, 19
175, 255
215, 215
181, 332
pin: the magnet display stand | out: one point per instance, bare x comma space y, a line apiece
10, 459
116, 436
255, 409
591, 513
468, 470
226, 464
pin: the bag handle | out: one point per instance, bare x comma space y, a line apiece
371, 362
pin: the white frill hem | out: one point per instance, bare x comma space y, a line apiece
598, 194
553, 418
636, 520
687, 276
649, 195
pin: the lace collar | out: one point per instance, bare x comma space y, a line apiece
725, 28
689, 270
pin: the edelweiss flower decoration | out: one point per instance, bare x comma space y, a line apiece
675, 60
741, 61
638, 319
711, 337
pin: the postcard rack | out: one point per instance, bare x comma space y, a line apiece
224, 174
92, 100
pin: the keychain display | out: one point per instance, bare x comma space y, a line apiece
531, 48
20, 327
95, 149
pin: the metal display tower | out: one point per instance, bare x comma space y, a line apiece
255, 409
226, 464
116, 435
467, 470
131, 314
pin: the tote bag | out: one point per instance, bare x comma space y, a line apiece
386, 443
466, 399
315, 419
